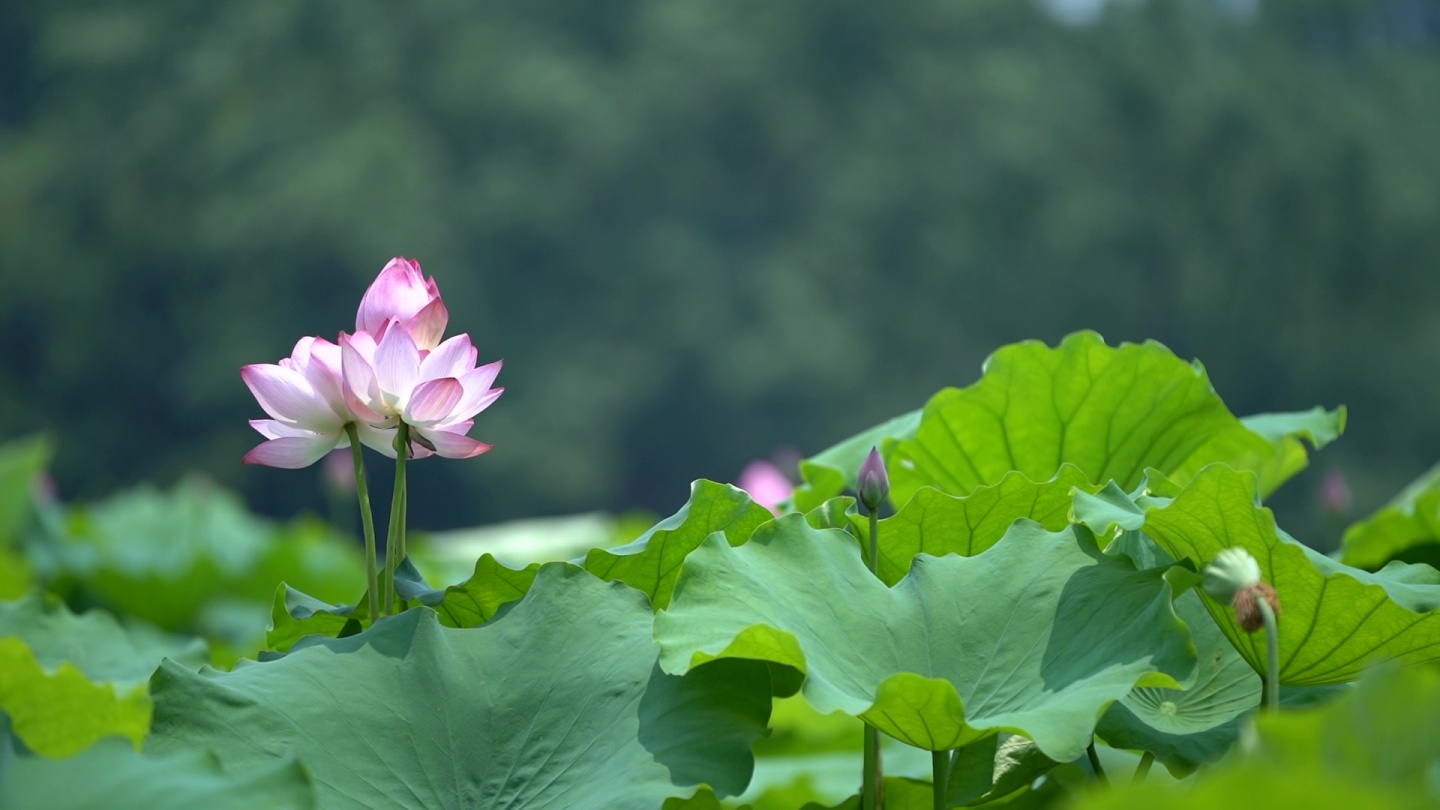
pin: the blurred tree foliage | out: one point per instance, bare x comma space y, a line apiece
701, 231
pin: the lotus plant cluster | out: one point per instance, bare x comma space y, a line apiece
1063, 570
395, 384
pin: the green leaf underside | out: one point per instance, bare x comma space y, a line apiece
1034, 636
477, 600
989, 769
66, 680
296, 614
1374, 746
1111, 411
558, 703
1407, 526
833, 470
1335, 620
112, 775
652, 562
935, 523
1187, 728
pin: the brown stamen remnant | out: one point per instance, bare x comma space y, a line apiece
1247, 607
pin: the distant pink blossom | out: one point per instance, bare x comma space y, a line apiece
338, 470
766, 484
302, 394
437, 392
402, 293
1335, 492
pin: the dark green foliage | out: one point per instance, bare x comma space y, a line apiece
737, 215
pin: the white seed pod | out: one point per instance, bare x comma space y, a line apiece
1232, 570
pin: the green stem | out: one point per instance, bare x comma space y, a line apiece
872, 796
870, 782
1095, 764
1143, 769
873, 561
362, 491
395, 541
1272, 655
940, 767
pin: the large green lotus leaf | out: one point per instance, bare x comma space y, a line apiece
652, 562
830, 472
1376, 746
558, 703
67, 680
1335, 620
1034, 636
113, 776
1111, 411
1407, 528
937, 524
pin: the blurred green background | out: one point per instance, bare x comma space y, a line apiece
701, 233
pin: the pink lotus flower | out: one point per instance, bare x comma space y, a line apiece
303, 396
401, 292
765, 484
437, 392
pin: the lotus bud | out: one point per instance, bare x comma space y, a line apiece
1234, 577
873, 483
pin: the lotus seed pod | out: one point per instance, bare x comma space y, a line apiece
1231, 571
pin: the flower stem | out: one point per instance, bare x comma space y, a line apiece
870, 782
873, 561
872, 790
362, 491
1095, 764
1272, 655
1143, 769
940, 767
395, 541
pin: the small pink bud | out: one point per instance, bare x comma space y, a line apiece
873, 482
